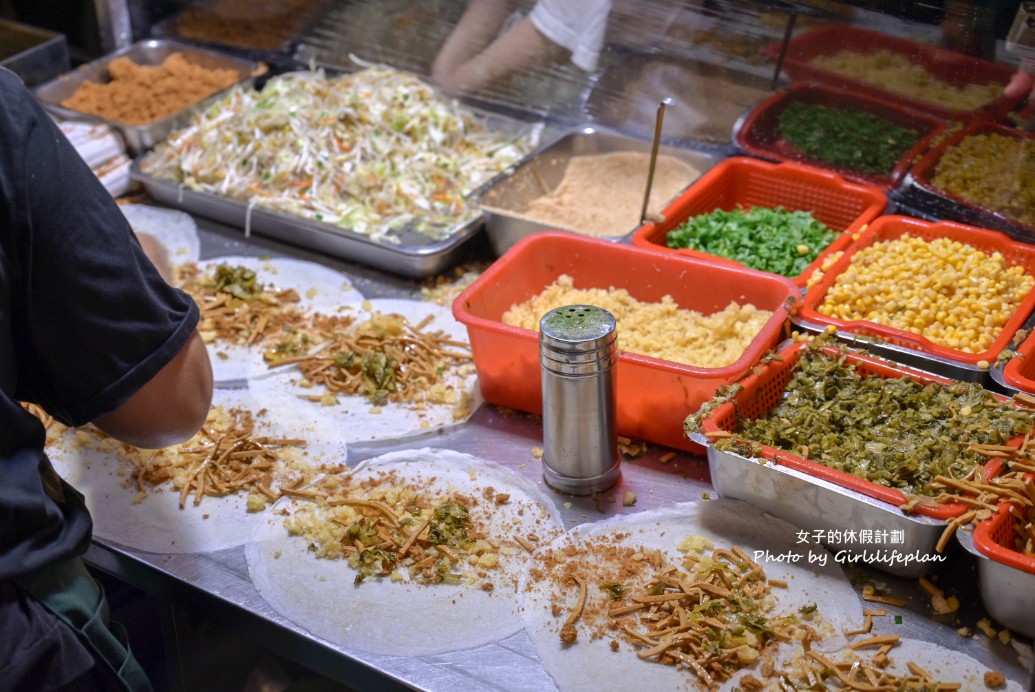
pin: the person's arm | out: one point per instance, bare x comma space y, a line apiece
171, 407
518, 48
479, 24
99, 336
155, 252
1021, 83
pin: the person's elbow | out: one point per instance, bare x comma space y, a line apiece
171, 407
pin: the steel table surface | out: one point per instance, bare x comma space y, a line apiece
219, 583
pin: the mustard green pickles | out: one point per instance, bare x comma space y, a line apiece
897, 432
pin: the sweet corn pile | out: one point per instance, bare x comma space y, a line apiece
992, 170
950, 292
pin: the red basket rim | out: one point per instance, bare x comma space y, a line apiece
1012, 370
990, 548
893, 496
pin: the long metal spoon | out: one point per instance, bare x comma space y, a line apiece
654, 156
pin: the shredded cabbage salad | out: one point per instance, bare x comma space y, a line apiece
372, 151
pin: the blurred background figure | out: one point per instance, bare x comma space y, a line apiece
1021, 41
493, 40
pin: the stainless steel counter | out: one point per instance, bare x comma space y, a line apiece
219, 582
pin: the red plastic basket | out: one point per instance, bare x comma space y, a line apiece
994, 536
891, 227
948, 66
763, 390
653, 396
1019, 372
742, 182
758, 133
924, 171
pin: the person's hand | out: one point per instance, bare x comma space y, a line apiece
1021, 83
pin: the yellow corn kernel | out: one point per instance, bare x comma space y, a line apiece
953, 293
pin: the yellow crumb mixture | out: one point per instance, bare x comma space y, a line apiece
660, 330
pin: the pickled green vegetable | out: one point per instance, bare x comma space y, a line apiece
896, 432
373, 562
238, 281
773, 240
448, 525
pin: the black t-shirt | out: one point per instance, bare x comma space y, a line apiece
85, 321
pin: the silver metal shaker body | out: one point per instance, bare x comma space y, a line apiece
577, 357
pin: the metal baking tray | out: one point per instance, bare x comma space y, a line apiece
502, 197
1008, 594
31, 53
140, 138
416, 255
816, 505
914, 358
406, 252
267, 31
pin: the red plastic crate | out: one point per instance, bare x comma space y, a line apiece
758, 133
891, 227
994, 536
743, 182
924, 171
1019, 372
764, 388
957, 69
653, 396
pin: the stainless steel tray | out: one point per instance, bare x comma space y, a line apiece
267, 31
33, 54
1008, 594
416, 255
140, 138
502, 197
906, 356
829, 513
998, 371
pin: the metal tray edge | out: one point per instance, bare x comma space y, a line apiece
802, 500
906, 356
337, 242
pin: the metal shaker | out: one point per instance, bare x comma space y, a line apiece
577, 358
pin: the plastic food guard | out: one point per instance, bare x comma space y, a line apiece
951, 67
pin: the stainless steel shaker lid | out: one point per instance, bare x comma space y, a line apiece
577, 329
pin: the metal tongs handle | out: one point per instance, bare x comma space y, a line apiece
653, 156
